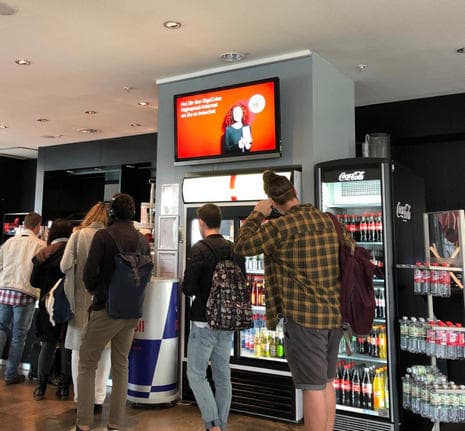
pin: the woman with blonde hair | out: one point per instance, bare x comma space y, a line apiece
72, 265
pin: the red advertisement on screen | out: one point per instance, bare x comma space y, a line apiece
230, 121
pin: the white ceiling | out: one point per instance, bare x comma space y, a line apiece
85, 52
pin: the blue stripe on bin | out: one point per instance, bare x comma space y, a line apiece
171, 324
138, 394
164, 388
143, 359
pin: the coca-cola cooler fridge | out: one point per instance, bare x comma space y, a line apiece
261, 381
381, 204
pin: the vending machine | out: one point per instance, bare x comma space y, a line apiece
381, 204
261, 381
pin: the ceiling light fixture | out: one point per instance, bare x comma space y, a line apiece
3, 126
88, 131
460, 50
90, 112
231, 57
42, 120
172, 25
135, 125
6, 9
143, 103
23, 62
361, 67
49, 136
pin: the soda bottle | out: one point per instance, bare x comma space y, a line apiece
379, 227
367, 390
346, 385
363, 227
257, 345
382, 343
386, 390
417, 279
356, 389
280, 345
382, 304
272, 342
440, 341
337, 383
378, 391
435, 277
371, 228
425, 280
451, 341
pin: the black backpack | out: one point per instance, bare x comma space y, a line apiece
228, 305
358, 302
125, 297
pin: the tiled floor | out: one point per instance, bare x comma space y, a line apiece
19, 412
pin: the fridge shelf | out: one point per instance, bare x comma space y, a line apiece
361, 357
365, 243
379, 320
383, 413
355, 205
434, 268
246, 354
260, 308
255, 272
378, 280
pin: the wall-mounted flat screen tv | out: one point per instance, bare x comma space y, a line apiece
230, 123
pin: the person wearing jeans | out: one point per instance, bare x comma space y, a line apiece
17, 296
210, 345
206, 344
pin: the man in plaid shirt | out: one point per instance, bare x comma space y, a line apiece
303, 286
17, 296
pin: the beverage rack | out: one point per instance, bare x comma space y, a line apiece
425, 390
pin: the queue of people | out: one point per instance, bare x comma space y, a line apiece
91, 342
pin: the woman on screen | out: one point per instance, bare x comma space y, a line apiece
237, 132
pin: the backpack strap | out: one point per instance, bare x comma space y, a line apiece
118, 245
211, 248
337, 226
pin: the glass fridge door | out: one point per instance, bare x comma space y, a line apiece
361, 381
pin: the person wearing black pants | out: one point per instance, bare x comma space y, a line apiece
45, 273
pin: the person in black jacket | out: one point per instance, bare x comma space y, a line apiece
45, 273
101, 328
206, 344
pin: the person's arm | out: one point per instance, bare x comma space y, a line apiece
193, 272
36, 273
1, 257
256, 237
92, 275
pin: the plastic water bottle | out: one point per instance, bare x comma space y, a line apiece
417, 279
425, 280
435, 404
454, 401
444, 283
435, 278
430, 338
451, 342
460, 347
406, 392
441, 341
413, 336
404, 332
421, 335
462, 404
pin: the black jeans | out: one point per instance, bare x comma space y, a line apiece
47, 359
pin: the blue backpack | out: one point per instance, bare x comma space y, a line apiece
133, 269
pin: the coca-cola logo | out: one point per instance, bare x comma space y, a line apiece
352, 176
404, 212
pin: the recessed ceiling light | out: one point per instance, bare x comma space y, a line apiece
90, 112
232, 56
3, 126
23, 62
172, 25
143, 103
49, 136
87, 131
6, 9
361, 67
460, 50
42, 120
135, 125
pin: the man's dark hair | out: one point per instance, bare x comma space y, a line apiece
32, 220
123, 207
60, 228
210, 214
278, 187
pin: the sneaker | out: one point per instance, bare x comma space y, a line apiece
19, 378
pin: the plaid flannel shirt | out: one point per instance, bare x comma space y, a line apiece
302, 273
15, 298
